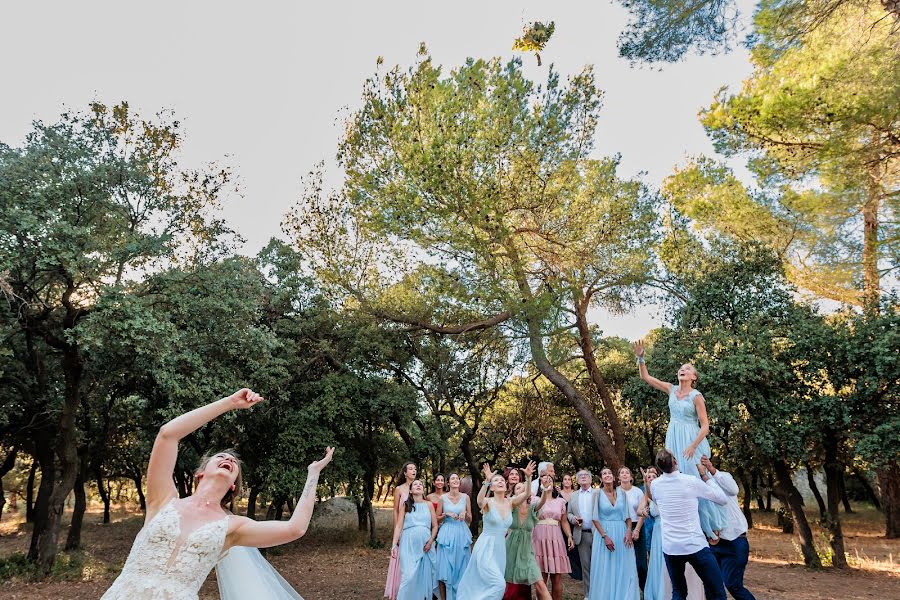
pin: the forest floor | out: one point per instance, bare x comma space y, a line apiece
333, 562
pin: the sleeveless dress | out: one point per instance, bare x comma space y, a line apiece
521, 564
166, 563
684, 425
613, 574
483, 578
658, 586
392, 585
417, 567
453, 542
549, 544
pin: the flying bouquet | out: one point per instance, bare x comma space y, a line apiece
535, 37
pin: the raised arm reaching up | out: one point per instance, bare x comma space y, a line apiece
526, 493
482, 493
160, 487
645, 375
262, 534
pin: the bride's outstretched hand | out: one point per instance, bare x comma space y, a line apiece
639, 348
245, 398
318, 465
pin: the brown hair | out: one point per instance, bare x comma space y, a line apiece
665, 461
401, 477
238, 483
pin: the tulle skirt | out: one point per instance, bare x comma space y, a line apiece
244, 573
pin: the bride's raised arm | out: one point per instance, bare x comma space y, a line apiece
263, 534
160, 487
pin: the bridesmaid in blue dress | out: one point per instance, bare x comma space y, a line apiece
613, 568
686, 434
454, 538
484, 577
414, 546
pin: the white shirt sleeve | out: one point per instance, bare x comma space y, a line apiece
709, 490
727, 483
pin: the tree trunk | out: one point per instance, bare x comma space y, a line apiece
29, 492
745, 507
73, 539
889, 482
811, 479
795, 501
586, 343
67, 452
871, 277
137, 477
870, 491
769, 494
465, 446
8, 463
251, 502
104, 495
757, 488
845, 500
833, 471
612, 455
45, 457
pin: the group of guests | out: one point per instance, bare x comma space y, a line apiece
536, 532
682, 536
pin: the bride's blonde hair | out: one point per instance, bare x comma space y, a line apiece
230, 495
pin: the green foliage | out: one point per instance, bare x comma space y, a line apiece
660, 30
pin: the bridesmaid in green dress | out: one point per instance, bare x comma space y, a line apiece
521, 564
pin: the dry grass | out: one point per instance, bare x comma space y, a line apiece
333, 561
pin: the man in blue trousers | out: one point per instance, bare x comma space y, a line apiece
733, 551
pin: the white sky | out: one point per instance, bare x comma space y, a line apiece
261, 85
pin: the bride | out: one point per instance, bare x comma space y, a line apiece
183, 538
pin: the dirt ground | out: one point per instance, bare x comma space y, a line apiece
333, 562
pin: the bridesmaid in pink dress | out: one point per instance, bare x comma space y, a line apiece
550, 549
401, 493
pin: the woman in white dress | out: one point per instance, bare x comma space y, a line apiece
183, 538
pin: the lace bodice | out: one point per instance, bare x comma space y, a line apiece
683, 411
166, 563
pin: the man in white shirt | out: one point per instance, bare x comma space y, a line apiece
733, 551
683, 541
580, 514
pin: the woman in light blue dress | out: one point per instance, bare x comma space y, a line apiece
658, 586
484, 578
686, 434
414, 546
454, 539
613, 569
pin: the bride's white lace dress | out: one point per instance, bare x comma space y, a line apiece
167, 563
